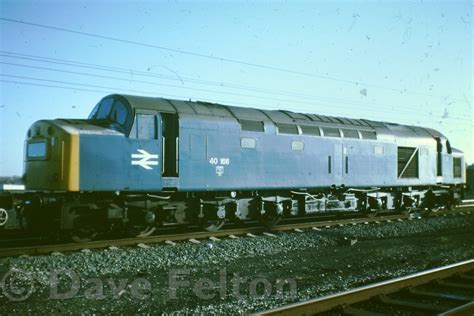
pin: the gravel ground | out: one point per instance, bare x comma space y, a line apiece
231, 276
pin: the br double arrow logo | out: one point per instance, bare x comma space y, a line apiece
145, 159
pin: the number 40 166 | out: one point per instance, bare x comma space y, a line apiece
221, 161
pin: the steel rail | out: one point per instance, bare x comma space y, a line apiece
200, 235
365, 293
45, 249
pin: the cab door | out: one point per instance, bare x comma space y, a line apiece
170, 152
145, 154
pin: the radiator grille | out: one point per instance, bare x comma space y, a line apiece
407, 162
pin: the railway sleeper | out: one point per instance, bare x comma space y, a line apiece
441, 295
405, 303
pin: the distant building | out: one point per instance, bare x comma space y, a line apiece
10, 180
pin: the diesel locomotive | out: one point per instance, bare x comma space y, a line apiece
138, 163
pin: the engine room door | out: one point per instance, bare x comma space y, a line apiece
338, 163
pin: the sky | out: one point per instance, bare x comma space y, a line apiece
407, 62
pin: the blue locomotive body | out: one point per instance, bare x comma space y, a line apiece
219, 148
209, 162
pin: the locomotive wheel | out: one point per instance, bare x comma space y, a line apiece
434, 209
212, 218
84, 234
3, 217
270, 221
143, 232
449, 205
407, 210
24, 219
142, 224
212, 225
370, 213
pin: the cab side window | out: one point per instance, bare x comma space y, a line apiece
119, 113
144, 127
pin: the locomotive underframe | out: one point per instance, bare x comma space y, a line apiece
139, 214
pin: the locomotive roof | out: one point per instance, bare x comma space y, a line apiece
275, 116
239, 113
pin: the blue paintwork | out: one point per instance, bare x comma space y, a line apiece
105, 159
273, 165
105, 164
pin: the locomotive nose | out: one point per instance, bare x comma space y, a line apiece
51, 156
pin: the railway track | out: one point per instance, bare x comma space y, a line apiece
198, 236
195, 237
448, 290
